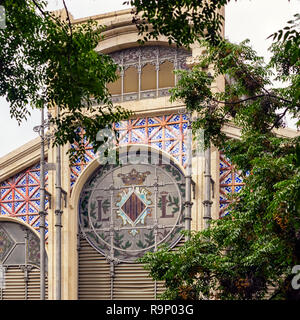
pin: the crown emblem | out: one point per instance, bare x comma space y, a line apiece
133, 177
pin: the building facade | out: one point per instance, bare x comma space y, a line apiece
113, 214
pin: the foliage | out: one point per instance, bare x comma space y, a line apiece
46, 60
255, 246
182, 22
285, 60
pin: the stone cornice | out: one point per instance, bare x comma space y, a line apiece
106, 18
20, 159
233, 131
118, 25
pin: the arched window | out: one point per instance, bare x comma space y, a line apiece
19, 262
124, 212
148, 81
131, 80
115, 87
148, 71
166, 75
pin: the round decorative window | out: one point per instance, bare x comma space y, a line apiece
128, 209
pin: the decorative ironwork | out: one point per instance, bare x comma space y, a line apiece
165, 132
20, 196
138, 58
6, 244
33, 246
126, 210
156, 55
231, 181
79, 165
18, 245
20, 261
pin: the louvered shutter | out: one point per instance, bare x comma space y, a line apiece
33, 285
133, 283
130, 282
16, 288
94, 274
14, 284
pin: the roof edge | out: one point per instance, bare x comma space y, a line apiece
20, 158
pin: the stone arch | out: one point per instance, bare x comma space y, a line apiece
73, 223
19, 260
149, 190
94, 164
15, 220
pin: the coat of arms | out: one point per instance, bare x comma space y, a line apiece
133, 201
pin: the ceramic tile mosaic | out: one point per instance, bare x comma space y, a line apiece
20, 196
231, 181
164, 132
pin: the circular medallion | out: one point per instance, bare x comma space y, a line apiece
126, 210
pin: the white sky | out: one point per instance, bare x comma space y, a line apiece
252, 19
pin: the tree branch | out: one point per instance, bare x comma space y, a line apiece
254, 98
280, 117
46, 14
69, 20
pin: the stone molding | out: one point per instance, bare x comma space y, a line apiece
20, 158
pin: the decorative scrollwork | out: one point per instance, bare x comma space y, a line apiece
155, 55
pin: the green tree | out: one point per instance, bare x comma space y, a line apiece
46, 61
257, 244
182, 22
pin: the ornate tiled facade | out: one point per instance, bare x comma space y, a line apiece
20, 196
231, 181
143, 88
165, 132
